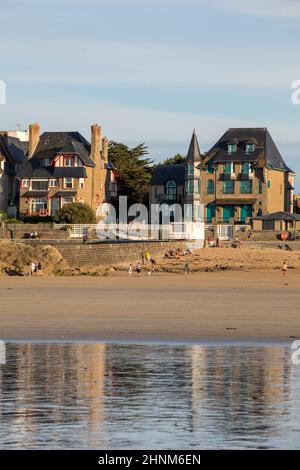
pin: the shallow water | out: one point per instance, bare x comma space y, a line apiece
148, 397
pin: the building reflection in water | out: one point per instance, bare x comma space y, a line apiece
145, 396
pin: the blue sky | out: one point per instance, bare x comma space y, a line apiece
152, 70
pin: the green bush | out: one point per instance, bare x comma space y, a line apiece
3, 216
76, 213
35, 219
12, 221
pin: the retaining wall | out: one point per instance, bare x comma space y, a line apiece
108, 254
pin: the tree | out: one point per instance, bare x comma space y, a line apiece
76, 213
178, 159
133, 168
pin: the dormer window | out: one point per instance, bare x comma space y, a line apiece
231, 148
69, 161
249, 148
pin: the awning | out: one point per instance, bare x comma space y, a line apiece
35, 194
65, 193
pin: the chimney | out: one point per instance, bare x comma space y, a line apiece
95, 142
34, 137
105, 149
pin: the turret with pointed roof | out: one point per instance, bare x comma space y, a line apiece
194, 154
192, 179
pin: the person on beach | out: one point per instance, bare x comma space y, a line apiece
284, 268
149, 271
153, 263
39, 268
138, 268
32, 268
148, 256
186, 269
129, 270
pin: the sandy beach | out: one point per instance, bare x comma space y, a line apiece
257, 305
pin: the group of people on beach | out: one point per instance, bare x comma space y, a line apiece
179, 253
36, 268
148, 261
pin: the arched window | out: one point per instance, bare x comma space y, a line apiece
171, 190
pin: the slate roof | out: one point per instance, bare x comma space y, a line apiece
264, 145
163, 173
14, 152
279, 216
194, 154
51, 144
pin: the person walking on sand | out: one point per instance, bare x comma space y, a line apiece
129, 270
138, 268
284, 268
186, 269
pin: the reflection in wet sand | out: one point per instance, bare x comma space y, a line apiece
148, 396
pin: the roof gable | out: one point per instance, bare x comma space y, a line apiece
52, 143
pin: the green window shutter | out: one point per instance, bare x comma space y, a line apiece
210, 167
227, 168
228, 187
246, 167
210, 187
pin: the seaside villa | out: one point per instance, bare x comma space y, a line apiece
241, 177
63, 167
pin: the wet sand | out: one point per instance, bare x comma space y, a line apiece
237, 306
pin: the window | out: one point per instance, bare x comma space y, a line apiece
210, 187
260, 186
53, 183
246, 168
69, 161
231, 148
228, 168
196, 186
210, 212
67, 200
38, 204
68, 183
190, 168
246, 186
46, 162
189, 187
269, 183
81, 183
113, 188
249, 148
171, 190
210, 167
228, 187
25, 183
39, 185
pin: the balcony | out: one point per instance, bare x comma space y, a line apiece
168, 199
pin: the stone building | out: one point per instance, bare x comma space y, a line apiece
63, 167
242, 176
12, 153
